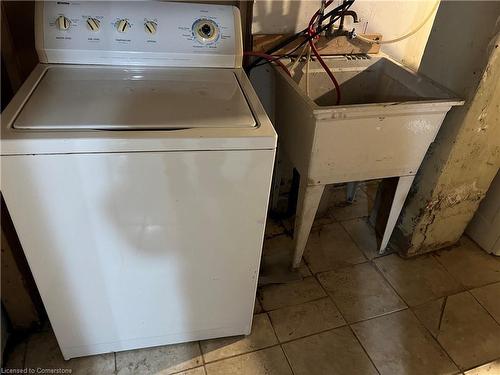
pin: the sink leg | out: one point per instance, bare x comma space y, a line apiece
307, 205
404, 184
352, 187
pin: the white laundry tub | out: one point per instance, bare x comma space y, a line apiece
387, 118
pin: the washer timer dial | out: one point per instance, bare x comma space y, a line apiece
63, 23
205, 31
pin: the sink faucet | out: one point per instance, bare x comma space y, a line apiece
351, 13
345, 13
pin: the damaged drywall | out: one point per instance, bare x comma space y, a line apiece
465, 157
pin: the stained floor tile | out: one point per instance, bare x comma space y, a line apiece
429, 314
167, 359
470, 265
467, 332
301, 320
330, 247
276, 261
360, 292
270, 361
492, 368
418, 280
398, 344
43, 351
262, 336
489, 297
276, 296
335, 352
341, 211
363, 235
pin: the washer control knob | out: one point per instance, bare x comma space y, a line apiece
122, 25
63, 23
93, 24
205, 30
150, 27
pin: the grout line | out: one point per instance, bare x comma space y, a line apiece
364, 349
389, 283
480, 286
116, 364
243, 353
483, 307
482, 364
436, 338
201, 351
430, 333
287, 359
315, 333
293, 305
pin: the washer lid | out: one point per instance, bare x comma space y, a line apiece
75, 98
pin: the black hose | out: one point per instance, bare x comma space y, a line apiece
290, 39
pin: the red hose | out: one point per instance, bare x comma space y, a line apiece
320, 59
270, 58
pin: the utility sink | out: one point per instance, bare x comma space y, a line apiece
386, 120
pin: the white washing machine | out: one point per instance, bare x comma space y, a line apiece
136, 166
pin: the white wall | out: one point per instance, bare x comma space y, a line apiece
390, 18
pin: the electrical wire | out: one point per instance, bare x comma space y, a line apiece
434, 8
269, 58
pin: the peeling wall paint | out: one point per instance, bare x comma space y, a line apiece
465, 157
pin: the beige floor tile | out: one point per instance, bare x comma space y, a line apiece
489, 297
492, 368
43, 351
363, 235
335, 352
398, 344
330, 247
429, 315
302, 320
276, 260
270, 361
262, 336
360, 292
276, 296
194, 371
15, 358
470, 265
341, 211
467, 332
418, 280
160, 359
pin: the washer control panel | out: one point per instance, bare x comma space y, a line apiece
150, 33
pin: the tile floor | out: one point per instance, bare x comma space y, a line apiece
349, 311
